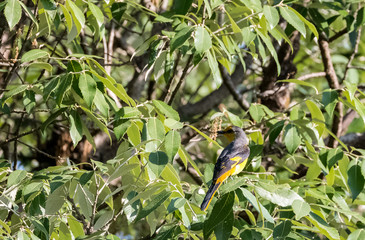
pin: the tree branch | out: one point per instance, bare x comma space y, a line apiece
182, 77
356, 48
312, 75
229, 84
334, 84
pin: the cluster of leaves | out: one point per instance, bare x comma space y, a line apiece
143, 184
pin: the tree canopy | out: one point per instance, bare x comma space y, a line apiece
109, 112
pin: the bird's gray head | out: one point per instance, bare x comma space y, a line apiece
237, 132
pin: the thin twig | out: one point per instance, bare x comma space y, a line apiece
16, 142
53, 52
356, 48
229, 84
337, 35
108, 50
78, 214
170, 80
312, 75
358, 67
15, 66
40, 151
18, 136
184, 73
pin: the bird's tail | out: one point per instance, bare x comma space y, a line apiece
209, 196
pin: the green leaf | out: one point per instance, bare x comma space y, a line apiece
33, 55
63, 87
87, 87
202, 40
329, 100
165, 109
30, 189
169, 174
275, 130
76, 226
75, 127
51, 118
101, 103
317, 116
224, 229
157, 162
185, 157
16, 177
68, 18
357, 234
30, 14
153, 204
293, 19
213, 64
134, 134
41, 65
84, 198
173, 124
300, 82
234, 119
282, 229
103, 219
85, 177
127, 112
120, 127
98, 14
300, 208
156, 132
182, 6
29, 101
291, 138
96, 121
175, 204
12, 12
180, 38
235, 27
356, 181
271, 15
267, 40
55, 201
221, 210
77, 15
278, 194
257, 112
256, 204
14, 92
50, 87
334, 155
322, 226
172, 143
118, 9
114, 87
64, 232
309, 24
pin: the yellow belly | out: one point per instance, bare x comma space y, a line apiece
239, 167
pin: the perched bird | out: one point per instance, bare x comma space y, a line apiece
232, 161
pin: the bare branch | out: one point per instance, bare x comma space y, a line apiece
187, 69
312, 75
334, 84
18, 136
229, 84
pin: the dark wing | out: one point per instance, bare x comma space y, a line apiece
224, 162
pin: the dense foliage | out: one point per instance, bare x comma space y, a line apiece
109, 111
